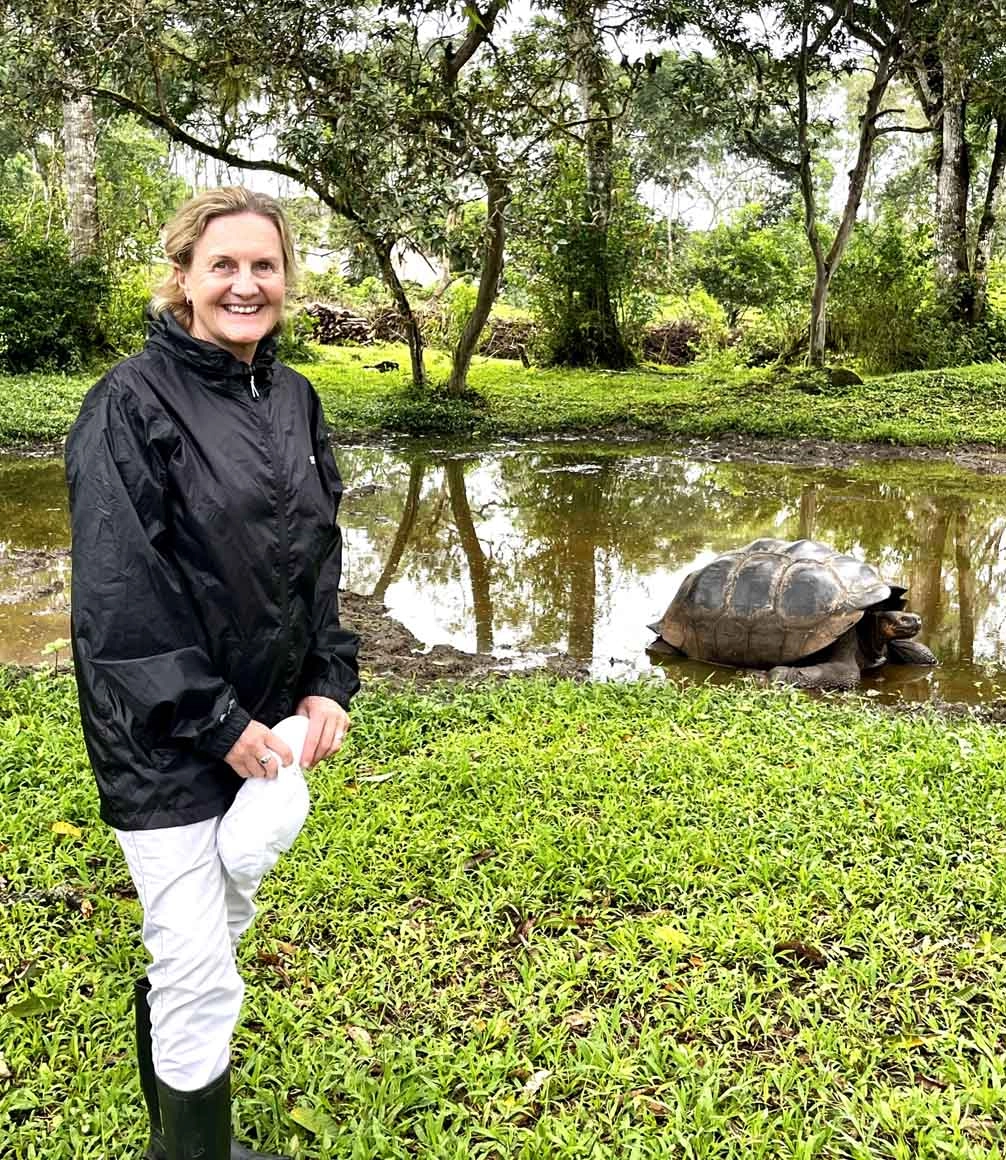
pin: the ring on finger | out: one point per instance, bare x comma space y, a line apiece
265, 759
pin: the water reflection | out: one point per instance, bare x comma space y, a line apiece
34, 565
575, 548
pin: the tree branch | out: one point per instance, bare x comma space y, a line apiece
481, 29
177, 133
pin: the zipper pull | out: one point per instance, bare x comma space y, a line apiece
251, 383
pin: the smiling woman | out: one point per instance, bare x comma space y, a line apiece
206, 565
235, 283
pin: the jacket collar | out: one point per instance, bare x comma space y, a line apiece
218, 366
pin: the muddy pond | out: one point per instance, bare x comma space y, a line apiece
536, 551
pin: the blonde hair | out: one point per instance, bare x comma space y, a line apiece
188, 226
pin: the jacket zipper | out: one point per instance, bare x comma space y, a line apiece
283, 529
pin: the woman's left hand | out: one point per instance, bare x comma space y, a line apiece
329, 724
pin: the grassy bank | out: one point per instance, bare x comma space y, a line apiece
543, 920
933, 408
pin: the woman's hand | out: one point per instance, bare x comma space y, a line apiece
329, 724
245, 755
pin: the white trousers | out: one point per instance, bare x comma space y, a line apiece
193, 915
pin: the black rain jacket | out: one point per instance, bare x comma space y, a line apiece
206, 563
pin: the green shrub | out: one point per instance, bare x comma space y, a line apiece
330, 286
746, 264
434, 411
50, 307
444, 322
877, 305
704, 314
123, 312
766, 336
951, 343
294, 339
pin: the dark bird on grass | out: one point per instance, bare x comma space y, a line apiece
383, 366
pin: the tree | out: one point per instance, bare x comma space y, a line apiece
554, 251
769, 89
594, 337
747, 264
824, 46
958, 67
387, 117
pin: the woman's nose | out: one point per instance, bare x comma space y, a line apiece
244, 281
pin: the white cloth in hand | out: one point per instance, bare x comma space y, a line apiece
267, 814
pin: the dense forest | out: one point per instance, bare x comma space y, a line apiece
595, 184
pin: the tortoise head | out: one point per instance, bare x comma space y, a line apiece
897, 625
878, 627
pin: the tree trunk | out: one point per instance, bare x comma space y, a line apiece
413, 334
825, 264
819, 316
478, 566
807, 524
581, 566
80, 148
595, 338
953, 281
987, 226
925, 577
492, 270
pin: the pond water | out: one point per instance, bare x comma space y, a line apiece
533, 549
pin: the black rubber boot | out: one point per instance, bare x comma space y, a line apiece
197, 1125
145, 1061
157, 1148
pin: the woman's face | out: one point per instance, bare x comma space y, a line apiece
236, 282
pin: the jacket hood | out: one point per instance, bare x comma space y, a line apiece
165, 333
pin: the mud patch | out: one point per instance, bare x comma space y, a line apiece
27, 574
388, 650
980, 458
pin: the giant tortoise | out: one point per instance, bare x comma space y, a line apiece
810, 615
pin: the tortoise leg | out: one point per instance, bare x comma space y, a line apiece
910, 652
829, 675
838, 668
662, 648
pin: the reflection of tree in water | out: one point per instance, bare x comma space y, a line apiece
597, 521
478, 565
420, 542
405, 529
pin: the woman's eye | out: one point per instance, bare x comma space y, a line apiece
266, 267
221, 264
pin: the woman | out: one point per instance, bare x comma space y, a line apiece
206, 562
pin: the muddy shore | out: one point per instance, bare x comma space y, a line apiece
984, 458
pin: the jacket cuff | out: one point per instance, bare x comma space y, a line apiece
217, 740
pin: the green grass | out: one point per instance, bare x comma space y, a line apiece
933, 408
552, 929
39, 408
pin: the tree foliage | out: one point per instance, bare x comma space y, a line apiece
554, 249
48, 303
748, 263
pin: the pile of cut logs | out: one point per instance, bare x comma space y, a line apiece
335, 324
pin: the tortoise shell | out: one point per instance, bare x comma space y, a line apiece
772, 602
